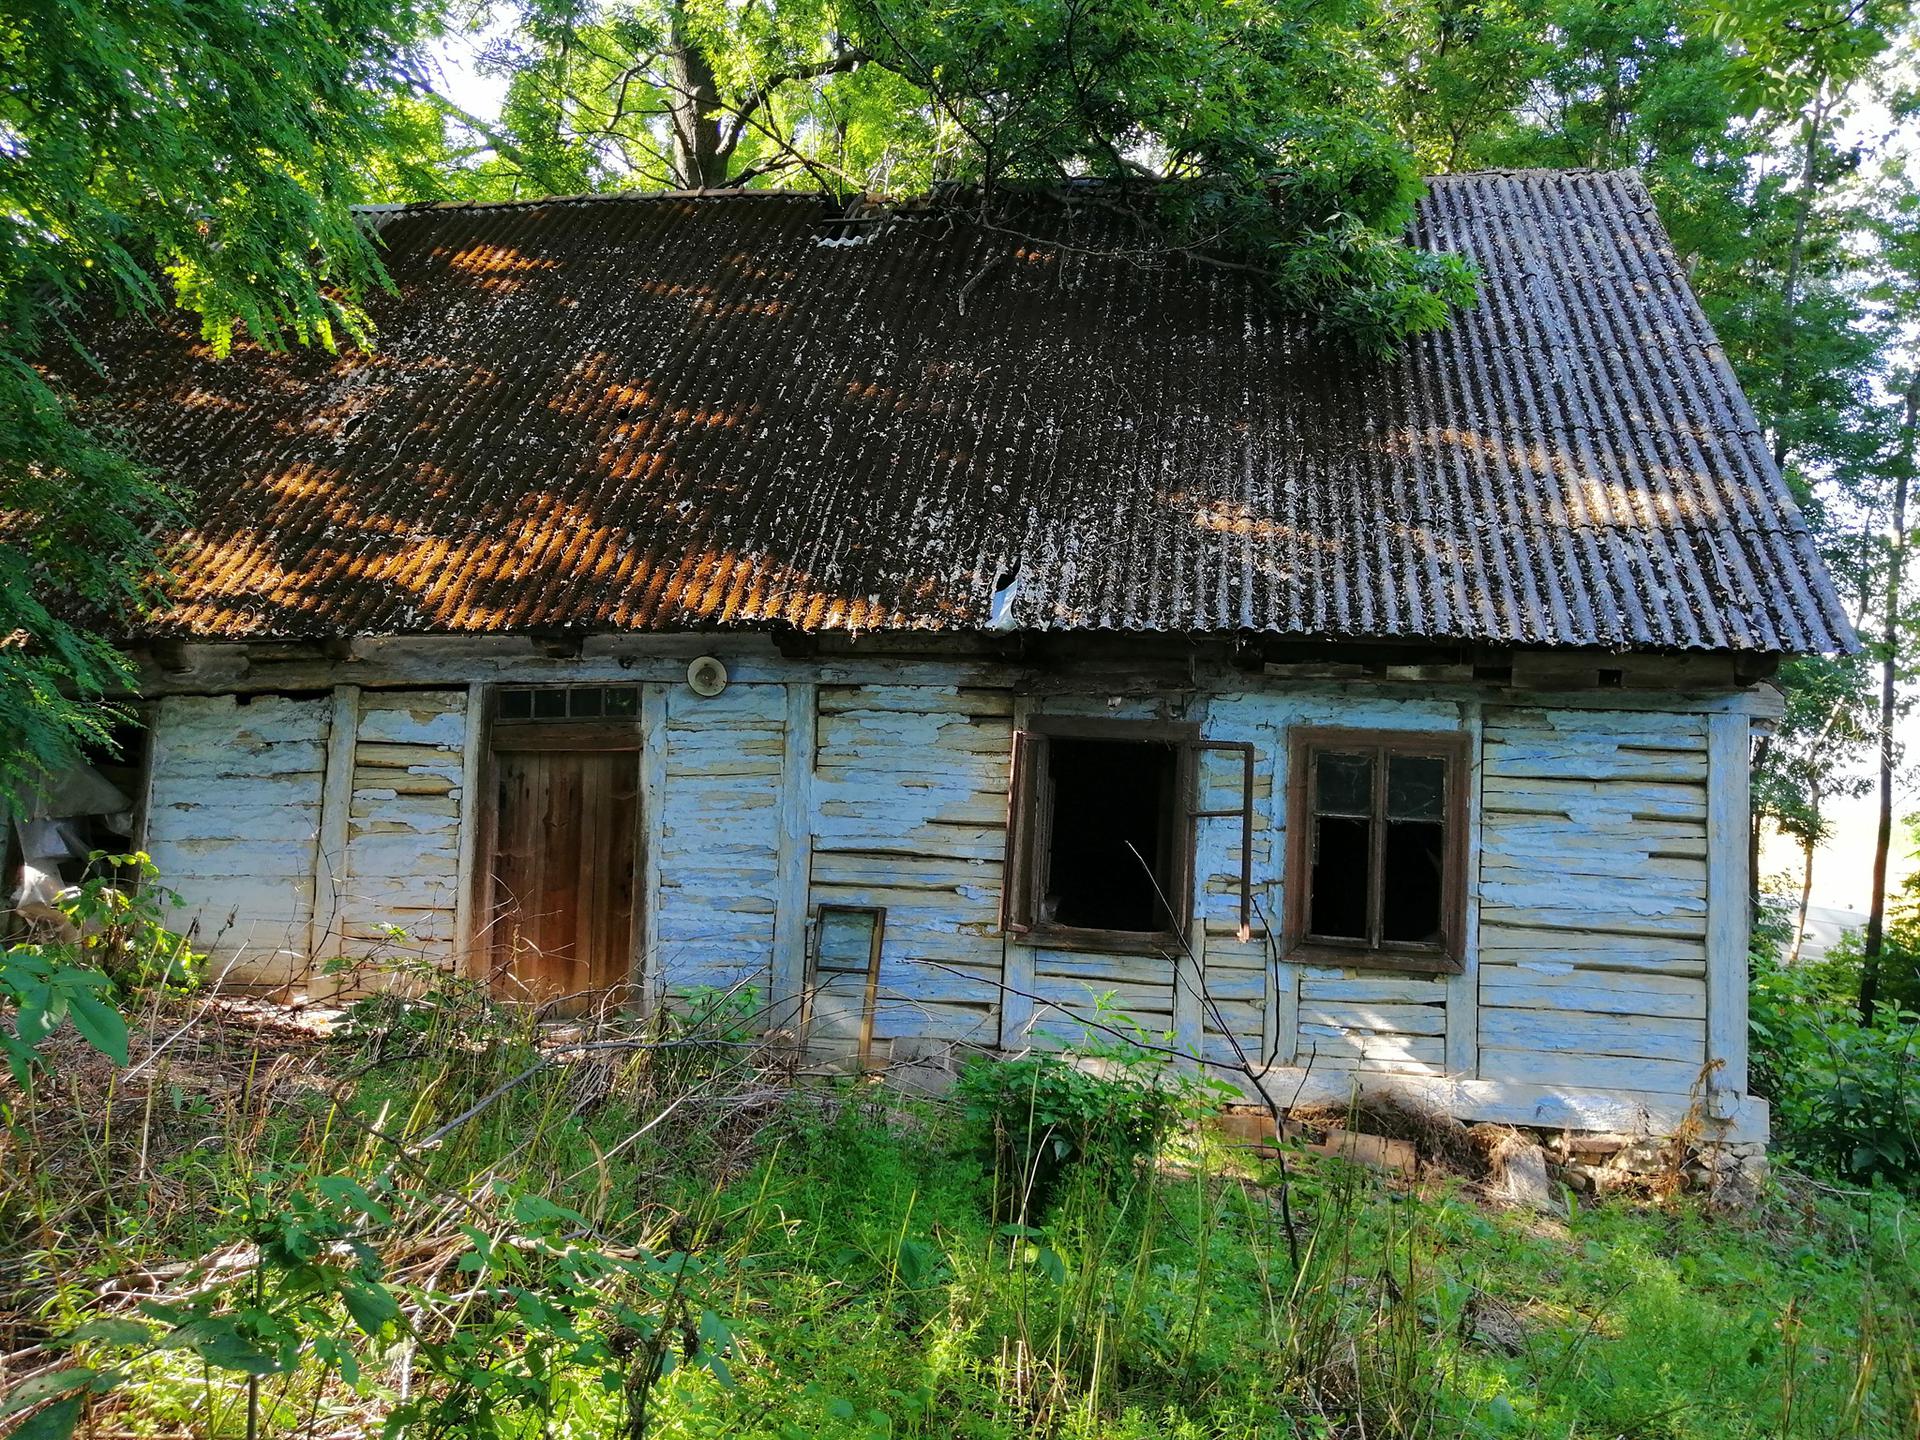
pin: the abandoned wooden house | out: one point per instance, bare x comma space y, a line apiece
933, 626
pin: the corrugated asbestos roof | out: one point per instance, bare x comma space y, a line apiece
655, 413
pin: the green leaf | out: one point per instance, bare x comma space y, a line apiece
371, 1305
32, 1391
99, 1024
114, 1330
56, 1422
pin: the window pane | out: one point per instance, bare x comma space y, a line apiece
1416, 787
624, 701
516, 704
549, 704
846, 940
1343, 784
1338, 900
1110, 857
1410, 898
584, 703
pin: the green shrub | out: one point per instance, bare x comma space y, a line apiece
1845, 1095
1040, 1115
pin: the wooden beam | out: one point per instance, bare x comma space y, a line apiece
653, 794
1463, 990
1189, 975
1016, 956
793, 856
1728, 801
472, 776
330, 870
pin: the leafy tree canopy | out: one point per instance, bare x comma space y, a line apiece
1254, 132
205, 154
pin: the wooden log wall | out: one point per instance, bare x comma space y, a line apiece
1588, 990
398, 892
1593, 892
909, 800
233, 823
713, 838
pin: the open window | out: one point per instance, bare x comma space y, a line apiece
1376, 849
1100, 835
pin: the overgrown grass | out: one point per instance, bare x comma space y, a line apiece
442, 1223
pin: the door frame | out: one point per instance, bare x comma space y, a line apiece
870, 992
601, 736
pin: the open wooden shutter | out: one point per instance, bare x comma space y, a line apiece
1245, 815
1015, 874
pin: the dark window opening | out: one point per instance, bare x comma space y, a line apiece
1100, 835
1108, 862
1381, 870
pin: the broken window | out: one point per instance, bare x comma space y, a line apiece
1100, 850
1377, 868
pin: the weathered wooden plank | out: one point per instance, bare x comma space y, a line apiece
794, 853
1356, 1016
932, 1020
186, 863
1548, 836
377, 810
446, 700
1729, 738
1228, 985
1594, 803
1509, 906
1319, 983
374, 782
1086, 995
1626, 720
1553, 760
1103, 969
1323, 1044
1559, 996
1680, 875
904, 871
878, 698
438, 759
653, 784
1578, 1033
1591, 1072
1498, 933
196, 771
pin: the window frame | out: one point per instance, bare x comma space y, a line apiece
1024, 875
564, 731
1448, 957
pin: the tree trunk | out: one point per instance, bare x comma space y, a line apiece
1889, 655
700, 157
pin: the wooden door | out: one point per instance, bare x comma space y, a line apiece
563, 874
